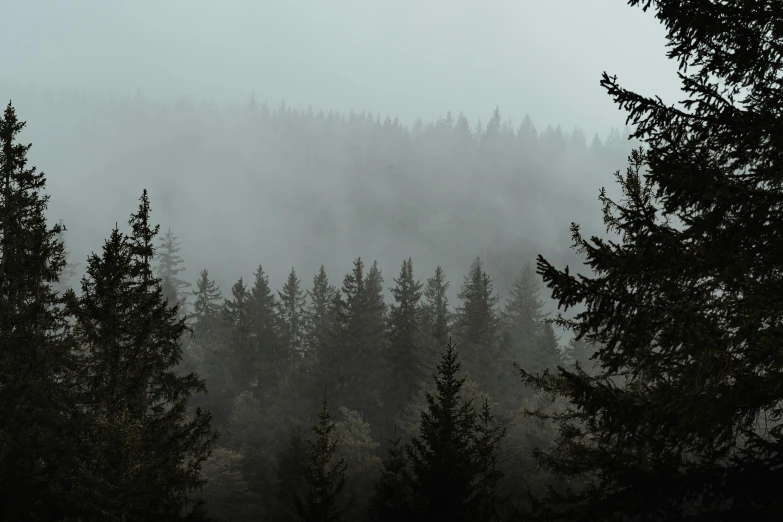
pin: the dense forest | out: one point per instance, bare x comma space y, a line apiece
133, 388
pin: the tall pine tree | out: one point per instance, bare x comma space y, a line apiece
292, 314
404, 348
37, 415
144, 453
169, 268
682, 420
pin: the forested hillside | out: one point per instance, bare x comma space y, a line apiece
349, 323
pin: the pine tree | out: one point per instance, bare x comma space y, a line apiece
547, 350
292, 314
290, 468
487, 438
393, 494
352, 359
324, 475
404, 347
169, 269
478, 328
270, 358
451, 475
686, 304
143, 452
435, 319
206, 308
320, 312
37, 417
523, 317
209, 349
236, 315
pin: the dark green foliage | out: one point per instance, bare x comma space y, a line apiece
435, 319
487, 440
320, 312
353, 360
523, 318
292, 315
269, 357
239, 338
393, 493
453, 472
209, 350
320, 501
477, 325
682, 420
169, 269
547, 350
404, 349
291, 467
140, 455
38, 423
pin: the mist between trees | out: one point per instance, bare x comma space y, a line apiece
132, 388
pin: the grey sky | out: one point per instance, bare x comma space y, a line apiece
407, 58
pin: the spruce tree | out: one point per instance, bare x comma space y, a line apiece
144, 454
210, 349
319, 316
169, 269
435, 318
292, 314
547, 350
324, 474
393, 493
523, 317
270, 358
477, 325
37, 417
449, 474
240, 356
487, 438
404, 348
682, 421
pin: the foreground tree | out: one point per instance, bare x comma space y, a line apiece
683, 419
141, 454
36, 411
324, 474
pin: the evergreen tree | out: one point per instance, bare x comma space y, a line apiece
206, 308
240, 342
404, 347
686, 305
292, 314
324, 475
393, 494
169, 269
271, 359
452, 466
209, 349
523, 317
478, 328
37, 415
487, 439
435, 318
290, 467
352, 361
144, 454
548, 356
319, 316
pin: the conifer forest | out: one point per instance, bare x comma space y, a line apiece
406, 329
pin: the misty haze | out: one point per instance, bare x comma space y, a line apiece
315, 260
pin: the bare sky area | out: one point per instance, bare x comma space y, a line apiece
406, 58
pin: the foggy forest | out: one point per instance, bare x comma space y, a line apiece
256, 310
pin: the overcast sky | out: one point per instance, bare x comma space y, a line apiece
407, 58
